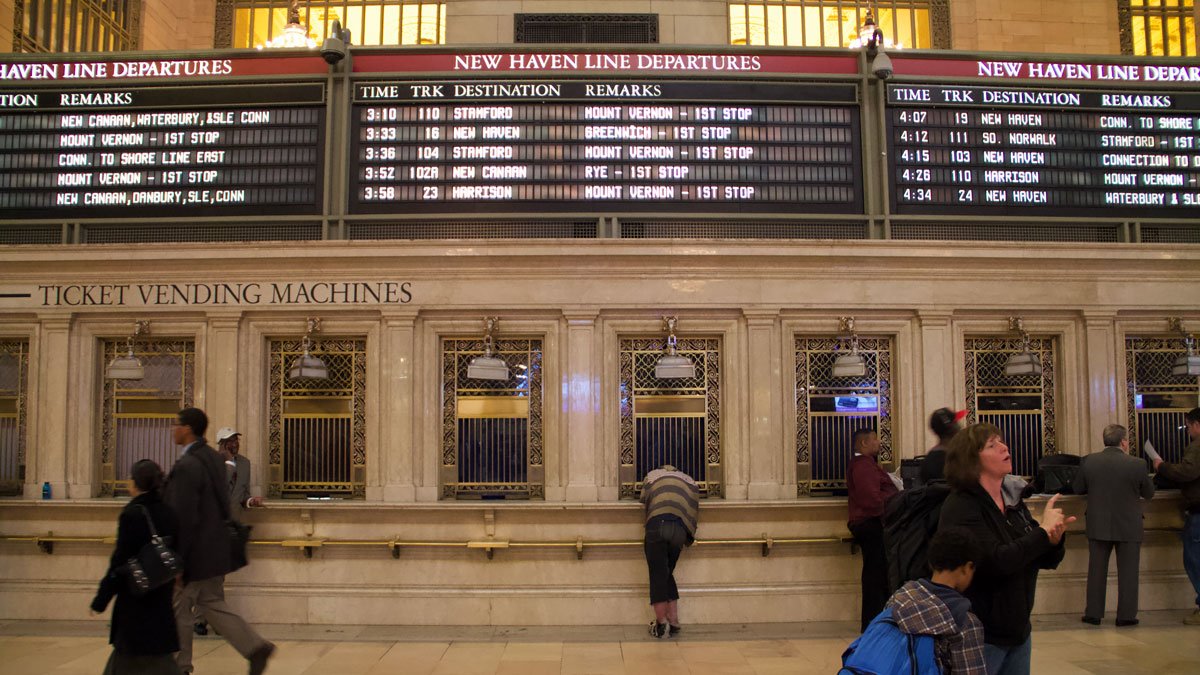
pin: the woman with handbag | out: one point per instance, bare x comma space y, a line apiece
143, 632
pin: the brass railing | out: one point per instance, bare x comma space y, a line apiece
766, 542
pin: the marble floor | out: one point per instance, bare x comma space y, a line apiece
1062, 646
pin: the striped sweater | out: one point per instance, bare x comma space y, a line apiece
672, 493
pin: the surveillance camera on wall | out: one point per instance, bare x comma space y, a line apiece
881, 66
333, 50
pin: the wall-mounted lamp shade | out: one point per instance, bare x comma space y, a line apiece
674, 367
850, 365
1187, 364
487, 367
1024, 363
308, 367
125, 367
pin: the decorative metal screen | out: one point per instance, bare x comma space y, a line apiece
830, 409
1156, 399
14, 383
317, 444
585, 28
492, 446
1022, 406
834, 23
251, 23
1157, 27
76, 25
138, 414
675, 421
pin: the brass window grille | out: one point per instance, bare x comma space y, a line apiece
316, 445
830, 409
138, 414
1156, 399
922, 24
1157, 27
14, 382
1022, 406
671, 421
76, 25
492, 441
245, 24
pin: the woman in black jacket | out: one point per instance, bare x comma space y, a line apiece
1014, 545
143, 632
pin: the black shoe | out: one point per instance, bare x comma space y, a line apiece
1127, 622
258, 660
658, 630
200, 628
1091, 620
673, 630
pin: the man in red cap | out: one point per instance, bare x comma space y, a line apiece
944, 422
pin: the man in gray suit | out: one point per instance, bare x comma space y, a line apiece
1113, 482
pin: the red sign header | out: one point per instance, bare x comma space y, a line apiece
1002, 69
698, 63
138, 69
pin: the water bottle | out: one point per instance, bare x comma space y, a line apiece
46, 490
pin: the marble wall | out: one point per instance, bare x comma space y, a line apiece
579, 297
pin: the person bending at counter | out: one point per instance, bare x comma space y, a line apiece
1013, 545
672, 501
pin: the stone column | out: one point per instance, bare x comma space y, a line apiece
1103, 360
581, 382
47, 461
397, 420
938, 358
221, 386
768, 456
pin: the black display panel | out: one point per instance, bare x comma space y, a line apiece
603, 146
162, 151
1015, 151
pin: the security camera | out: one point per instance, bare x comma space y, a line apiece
333, 50
881, 66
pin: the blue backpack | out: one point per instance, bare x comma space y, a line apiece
884, 649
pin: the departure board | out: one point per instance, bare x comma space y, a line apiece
1022, 151
162, 151
605, 146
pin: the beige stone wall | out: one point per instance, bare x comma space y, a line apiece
1068, 26
173, 25
7, 7
579, 296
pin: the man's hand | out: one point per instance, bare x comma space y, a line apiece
1157, 463
254, 501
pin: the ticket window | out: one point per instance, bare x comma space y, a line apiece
673, 421
829, 409
1022, 406
316, 440
1156, 398
492, 440
138, 414
14, 378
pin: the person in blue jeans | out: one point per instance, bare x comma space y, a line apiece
1186, 473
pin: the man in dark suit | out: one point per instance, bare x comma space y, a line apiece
1115, 484
198, 491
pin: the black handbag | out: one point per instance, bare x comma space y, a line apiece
155, 564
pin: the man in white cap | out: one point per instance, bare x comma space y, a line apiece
237, 468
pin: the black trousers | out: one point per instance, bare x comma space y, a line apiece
869, 535
1128, 556
665, 538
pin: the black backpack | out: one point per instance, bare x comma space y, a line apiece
910, 519
1055, 474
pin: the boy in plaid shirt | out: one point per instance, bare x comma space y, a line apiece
937, 607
